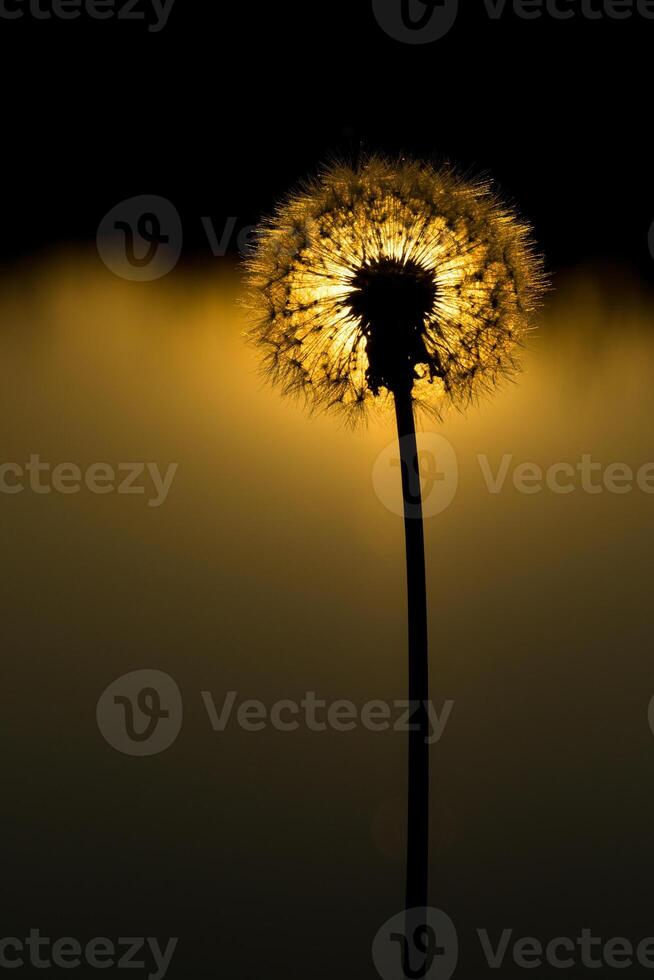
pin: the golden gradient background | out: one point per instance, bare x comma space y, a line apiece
272, 569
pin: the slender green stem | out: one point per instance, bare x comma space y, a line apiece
417, 861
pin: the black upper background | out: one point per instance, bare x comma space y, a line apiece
232, 103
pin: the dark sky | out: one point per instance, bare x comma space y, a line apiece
229, 104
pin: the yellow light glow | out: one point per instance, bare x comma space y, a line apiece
486, 276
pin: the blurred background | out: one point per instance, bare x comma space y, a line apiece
274, 568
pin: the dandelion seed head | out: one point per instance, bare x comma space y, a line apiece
389, 276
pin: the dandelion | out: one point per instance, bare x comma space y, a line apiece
395, 285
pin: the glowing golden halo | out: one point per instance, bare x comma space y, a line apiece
343, 228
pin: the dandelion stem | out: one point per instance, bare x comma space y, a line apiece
417, 861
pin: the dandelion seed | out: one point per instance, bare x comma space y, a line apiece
392, 276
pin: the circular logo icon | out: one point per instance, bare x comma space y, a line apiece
141, 238
417, 943
436, 484
141, 713
416, 21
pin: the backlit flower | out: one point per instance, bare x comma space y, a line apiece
391, 277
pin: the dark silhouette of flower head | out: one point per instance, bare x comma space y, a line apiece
391, 277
